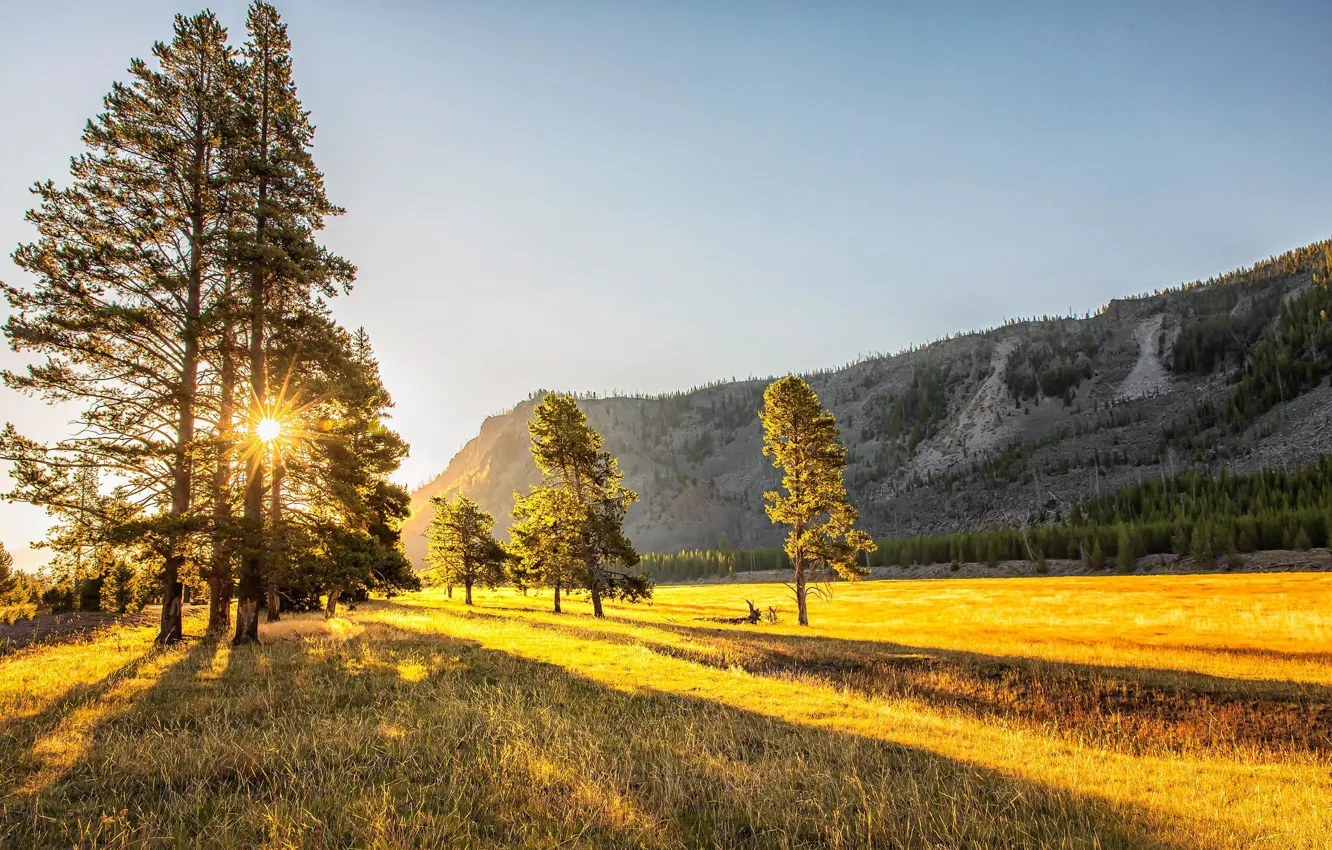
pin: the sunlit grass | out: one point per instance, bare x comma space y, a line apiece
1111, 712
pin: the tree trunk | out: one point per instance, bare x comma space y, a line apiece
219, 581
331, 609
557, 597
219, 604
450, 590
468, 585
252, 561
272, 603
596, 601
801, 592
170, 630
181, 492
275, 535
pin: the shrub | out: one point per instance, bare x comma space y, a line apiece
11, 614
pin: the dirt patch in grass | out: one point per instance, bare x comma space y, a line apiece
59, 628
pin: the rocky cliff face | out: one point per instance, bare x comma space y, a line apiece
999, 427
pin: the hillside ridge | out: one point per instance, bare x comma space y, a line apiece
993, 427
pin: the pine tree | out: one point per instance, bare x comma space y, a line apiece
1097, 555
1125, 559
802, 439
569, 454
283, 204
1200, 546
332, 461
461, 547
545, 540
126, 259
224, 540
7, 581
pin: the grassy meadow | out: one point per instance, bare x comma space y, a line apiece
1173, 712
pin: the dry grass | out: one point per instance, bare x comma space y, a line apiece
1181, 712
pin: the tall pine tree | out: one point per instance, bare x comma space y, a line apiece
126, 259
284, 205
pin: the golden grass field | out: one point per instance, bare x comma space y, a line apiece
1139, 711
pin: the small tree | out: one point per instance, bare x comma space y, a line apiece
545, 540
1125, 559
1201, 546
461, 548
1097, 556
7, 581
802, 439
1302, 541
592, 509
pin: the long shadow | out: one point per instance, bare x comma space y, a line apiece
69, 786
532, 754
17, 737
1118, 707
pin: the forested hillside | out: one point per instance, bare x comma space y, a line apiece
986, 429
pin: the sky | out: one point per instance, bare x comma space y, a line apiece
649, 196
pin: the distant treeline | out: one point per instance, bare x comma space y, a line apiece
1189, 514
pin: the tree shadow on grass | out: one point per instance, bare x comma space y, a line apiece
18, 736
59, 766
429, 740
1125, 708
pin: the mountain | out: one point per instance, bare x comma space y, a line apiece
981, 429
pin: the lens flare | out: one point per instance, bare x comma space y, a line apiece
268, 429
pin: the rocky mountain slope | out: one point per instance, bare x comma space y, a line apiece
1004, 426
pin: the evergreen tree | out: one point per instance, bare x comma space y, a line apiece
545, 540
1200, 546
591, 511
126, 258
283, 204
802, 439
334, 517
461, 547
1125, 558
7, 581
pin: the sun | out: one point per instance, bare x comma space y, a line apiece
268, 429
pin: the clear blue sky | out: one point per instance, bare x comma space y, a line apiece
646, 196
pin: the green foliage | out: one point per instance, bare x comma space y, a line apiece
571, 526
802, 439
1125, 559
8, 581
690, 564
1203, 346
1302, 541
462, 549
910, 416
1200, 545
1049, 360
